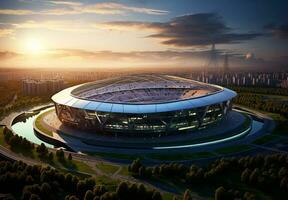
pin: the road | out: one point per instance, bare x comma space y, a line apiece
8, 154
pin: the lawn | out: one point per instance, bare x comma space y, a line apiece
110, 184
124, 171
114, 155
107, 168
40, 126
83, 167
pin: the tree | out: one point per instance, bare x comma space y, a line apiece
136, 164
70, 157
81, 188
7, 134
155, 171
187, 195
45, 191
50, 156
142, 192
220, 193
60, 155
34, 197
122, 190
99, 190
42, 151
245, 175
254, 176
73, 197
142, 171
156, 196
89, 195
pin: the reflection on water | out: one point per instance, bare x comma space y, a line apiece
25, 129
256, 126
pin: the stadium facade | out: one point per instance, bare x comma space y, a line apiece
143, 105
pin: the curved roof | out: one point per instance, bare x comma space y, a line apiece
157, 93
143, 89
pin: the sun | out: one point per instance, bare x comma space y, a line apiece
33, 46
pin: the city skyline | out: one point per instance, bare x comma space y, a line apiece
142, 34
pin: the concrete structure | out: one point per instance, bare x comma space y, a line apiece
143, 105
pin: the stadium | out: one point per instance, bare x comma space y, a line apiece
140, 105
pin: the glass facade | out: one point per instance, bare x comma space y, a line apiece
141, 124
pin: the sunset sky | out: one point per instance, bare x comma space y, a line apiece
142, 33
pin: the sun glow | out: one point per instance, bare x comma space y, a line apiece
33, 46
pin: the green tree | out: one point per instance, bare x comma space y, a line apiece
89, 195
187, 195
220, 193
122, 191
156, 196
70, 157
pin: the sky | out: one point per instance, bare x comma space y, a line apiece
143, 33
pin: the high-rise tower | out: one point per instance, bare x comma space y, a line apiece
212, 64
226, 63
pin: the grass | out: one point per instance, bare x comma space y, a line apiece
158, 156
232, 149
115, 155
180, 156
83, 167
264, 139
110, 184
124, 171
73, 165
107, 168
168, 196
40, 126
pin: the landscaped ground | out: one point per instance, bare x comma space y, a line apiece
38, 123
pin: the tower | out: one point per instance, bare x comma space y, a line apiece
226, 63
212, 64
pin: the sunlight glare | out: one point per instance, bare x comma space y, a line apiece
33, 46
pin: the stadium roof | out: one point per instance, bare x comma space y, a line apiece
143, 89
142, 94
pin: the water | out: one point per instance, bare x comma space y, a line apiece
256, 126
25, 129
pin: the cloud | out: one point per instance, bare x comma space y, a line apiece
6, 30
66, 3
188, 30
57, 25
135, 55
279, 31
72, 8
16, 12
7, 55
136, 59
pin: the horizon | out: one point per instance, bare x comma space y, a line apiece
142, 34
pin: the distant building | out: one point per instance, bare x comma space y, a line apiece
226, 63
284, 84
40, 87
